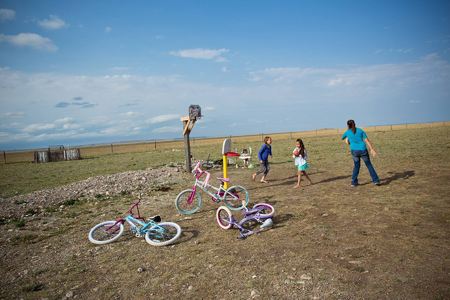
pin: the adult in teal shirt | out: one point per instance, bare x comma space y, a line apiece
357, 139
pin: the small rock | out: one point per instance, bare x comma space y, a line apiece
253, 293
254, 276
69, 294
141, 269
190, 287
325, 215
305, 277
354, 262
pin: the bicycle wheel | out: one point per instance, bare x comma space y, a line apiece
105, 232
188, 202
223, 217
265, 210
236, 197
163, 234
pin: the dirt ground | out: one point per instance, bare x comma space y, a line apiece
329, 240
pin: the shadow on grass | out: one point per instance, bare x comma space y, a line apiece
334, 179
291, 180
187, 235
397, 176
279, 220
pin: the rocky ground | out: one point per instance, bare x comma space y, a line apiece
99, 187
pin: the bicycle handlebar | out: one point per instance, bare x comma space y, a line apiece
199, 172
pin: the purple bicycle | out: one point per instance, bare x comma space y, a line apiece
261, 213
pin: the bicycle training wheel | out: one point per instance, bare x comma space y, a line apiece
105, 232
163, 234
188, 202
236, 197
265, 210
223, 217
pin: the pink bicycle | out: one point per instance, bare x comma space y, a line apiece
190, 201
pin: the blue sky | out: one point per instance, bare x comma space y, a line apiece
83, 72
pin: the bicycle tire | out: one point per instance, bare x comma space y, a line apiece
163, 234
105, 232
230, 197
265, 210
182, 205
223, 217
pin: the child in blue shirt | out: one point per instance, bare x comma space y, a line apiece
263, 156
357, 139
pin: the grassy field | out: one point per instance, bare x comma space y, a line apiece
20, 176
149, 146
330, 241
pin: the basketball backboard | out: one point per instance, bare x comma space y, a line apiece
226, 147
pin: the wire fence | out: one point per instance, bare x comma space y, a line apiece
152, 145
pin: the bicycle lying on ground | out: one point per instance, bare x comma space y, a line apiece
189, 201
156, 234
261, 213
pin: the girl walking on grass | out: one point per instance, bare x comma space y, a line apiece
359, 142
263, 156
300, 158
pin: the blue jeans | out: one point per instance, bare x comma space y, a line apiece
357, 155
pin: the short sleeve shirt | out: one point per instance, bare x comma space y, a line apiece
356, 139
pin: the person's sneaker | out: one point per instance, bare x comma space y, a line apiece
354, 185
377, 183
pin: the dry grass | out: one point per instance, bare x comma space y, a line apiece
108, 149
329, 241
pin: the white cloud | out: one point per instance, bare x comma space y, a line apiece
131, 114
32, 40
108, 29
163, 118
394, 50
7, 14
17, 114
200, 53
167, 129
287, 74
52, 23
38, 127
318, 92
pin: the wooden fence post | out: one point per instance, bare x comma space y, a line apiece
155, 144
4, 156
112, 150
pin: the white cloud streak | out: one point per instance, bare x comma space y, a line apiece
53, 23
167, 129
7, 14
32, 40
35, 109
200, 53
163, 118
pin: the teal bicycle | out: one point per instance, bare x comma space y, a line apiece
156, 233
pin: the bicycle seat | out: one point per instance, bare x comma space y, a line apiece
155, 219
223, 179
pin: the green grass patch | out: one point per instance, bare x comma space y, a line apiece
19, 223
